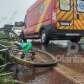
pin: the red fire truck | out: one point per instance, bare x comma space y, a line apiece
55, 19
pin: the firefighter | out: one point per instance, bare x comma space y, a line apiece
21, 37
25, 48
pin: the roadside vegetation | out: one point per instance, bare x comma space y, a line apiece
6, 75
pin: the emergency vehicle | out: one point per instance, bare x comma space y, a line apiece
55, 19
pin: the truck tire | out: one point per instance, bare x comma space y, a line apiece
44, 37
73, 48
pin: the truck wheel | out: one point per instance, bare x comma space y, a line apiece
73, 48
44, 38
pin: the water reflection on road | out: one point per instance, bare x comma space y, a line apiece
55, 48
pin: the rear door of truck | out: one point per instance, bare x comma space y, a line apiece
64, 14
79, 14
70, 15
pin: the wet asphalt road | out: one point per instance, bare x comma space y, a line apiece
56, 48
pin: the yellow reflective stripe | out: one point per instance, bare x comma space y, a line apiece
68, 16
77, 25
46, 4
60, 15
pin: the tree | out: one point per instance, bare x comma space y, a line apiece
19, 24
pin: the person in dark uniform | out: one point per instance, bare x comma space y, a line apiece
22, 36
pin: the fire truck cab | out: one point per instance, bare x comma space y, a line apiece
55, 19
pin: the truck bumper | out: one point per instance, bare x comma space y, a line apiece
65, 34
